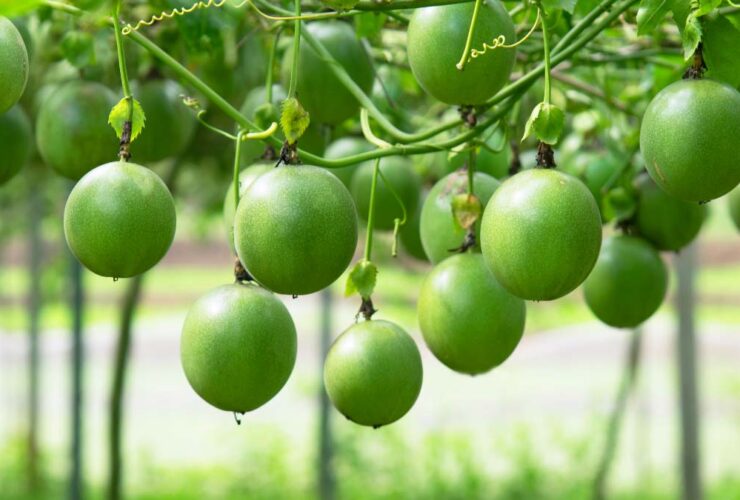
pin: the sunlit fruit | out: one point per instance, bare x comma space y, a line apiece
436, 39
628, 283
440, 232
72, 131
343, 147
468, 320
13, 65
238, 347
373, 373
688, 139
119, 220
295, 229
16, 142
541, 234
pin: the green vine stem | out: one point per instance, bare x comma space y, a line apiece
123, 152
296, 51
237, 158
471, 171
546, 50
469, 41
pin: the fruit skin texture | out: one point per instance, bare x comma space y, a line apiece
296, 229
169, 124
238, 347
119, 220
436, 37
373, 373
688, 137
468, 320
439, 231
72, 131
246, 178
16, 139
346, 146
13, 65
734, 203
541, 234
405, 181
628, 283
319, 91
665, 221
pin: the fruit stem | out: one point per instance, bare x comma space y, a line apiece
371, 213
545, 156
296, 51
698, 66
237, 157
469, 41
123, 152
546, 50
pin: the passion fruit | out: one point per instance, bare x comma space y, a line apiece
16, 138
346, 146
13, 65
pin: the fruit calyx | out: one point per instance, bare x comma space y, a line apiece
698, 66
545, 156
367, 309
124, 152
241, 275
288, 154
469, 241
468, 116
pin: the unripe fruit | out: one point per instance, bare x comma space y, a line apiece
238, 347
469, 321
72, 131
440, 232
373, 373
400, 173
13, 65
688, 138
628, 283
246, 178
436, 38
295, 229
665, 221
119, 220
346, 146
16, 139
541, 234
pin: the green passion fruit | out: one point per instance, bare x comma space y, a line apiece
170, 125
468, 320
13, 65
410, 234
373, 373
541, 234
16, 138
440, 232
246, 178
628, 283
295, 229
406, 183
72, 132
688, 139
436, 37
119, 220
665, 221
346, 146
238, 347
734, 205
320, 92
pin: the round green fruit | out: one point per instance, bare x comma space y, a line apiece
170, 125
13, 65
734, 204
688, 139
541, 234
246, 178
440, 232
468, 320
436, 37
320, 92
296, 229
72, 131
238, 347
628, 283
16, 138
346, 146
400, 173
597, 175
410, 234
119, 220
665, 221
373, 373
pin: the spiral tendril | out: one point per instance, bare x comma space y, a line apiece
500, 42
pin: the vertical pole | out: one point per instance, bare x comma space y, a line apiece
326, 442
76, 488
688, 392
35, 242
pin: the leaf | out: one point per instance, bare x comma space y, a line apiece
466, 209
370, 24
680, 10
362, 279
294, 120
720, 49
650, 14
11, 8
552, 6
120, 113
547, 122
691, 36
78, 48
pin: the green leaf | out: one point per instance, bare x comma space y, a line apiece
552, 6
11, 8
120, 113
691, 36
721, 41
340, 5
650, 14
78, 48
294, 120
370, 24
466, 209
547, 122
362, 279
